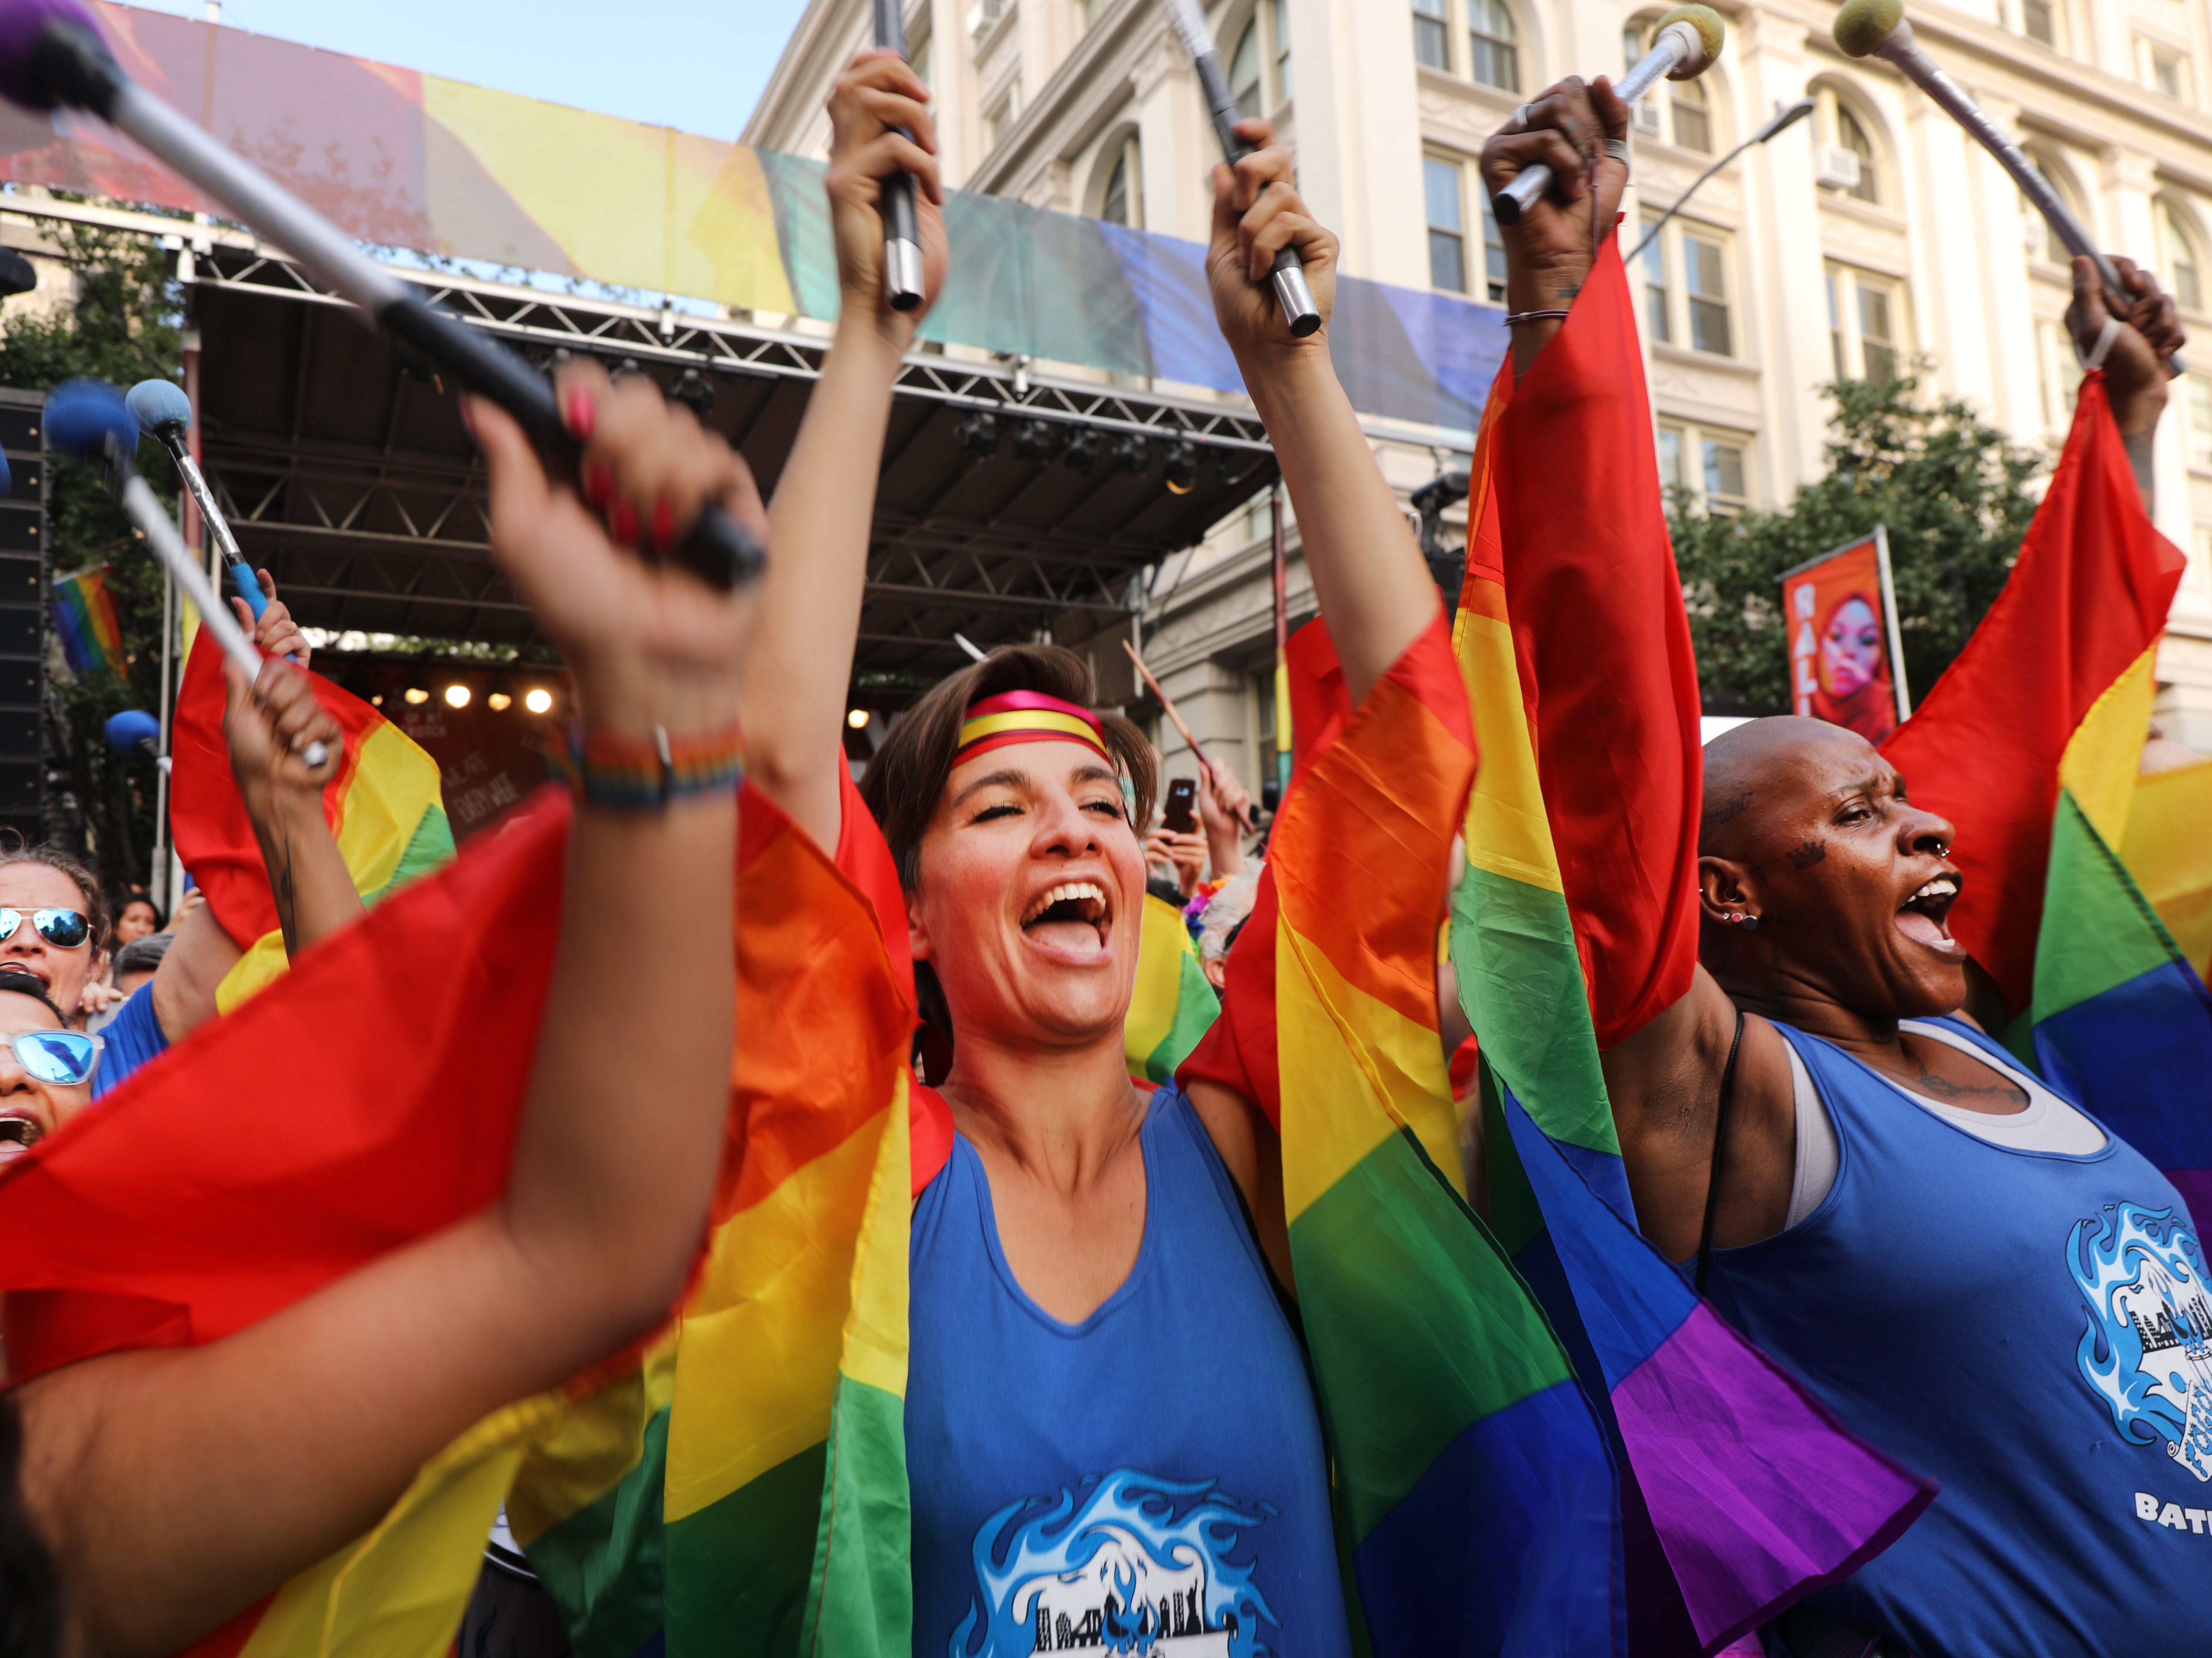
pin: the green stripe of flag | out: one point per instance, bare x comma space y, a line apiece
738, 1569
1394, 1274
861, 1603
429, 848
604, 1566
1521, 983
1196, 1009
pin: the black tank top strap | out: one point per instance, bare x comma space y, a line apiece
1720, 1148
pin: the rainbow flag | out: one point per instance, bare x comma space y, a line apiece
84, 616
2167, 848
1476, 1503
137, 1228
744, 1487
1577, 913
384, 806
1172, 1005
2031, 744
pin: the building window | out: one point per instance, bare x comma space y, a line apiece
1851, 134
1440, 182
1000, 121
1265, 41
1866, 325
1704, 271
2061, 372
2200, 423
1705, 466
1493, 251
1432, 34
1685, 289
2041, 236
1279, 13
921, 58
2038, 21
1634, 42
1658, 307
1122, 202
1693, 121
2163, 68
1244, 82
2186, 268
1493, 44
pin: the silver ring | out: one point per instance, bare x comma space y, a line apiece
1521, 118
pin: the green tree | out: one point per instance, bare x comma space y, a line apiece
125, 325
1953, 494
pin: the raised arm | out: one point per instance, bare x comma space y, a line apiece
174, 1487
796, 682
1368, 575
2135, 358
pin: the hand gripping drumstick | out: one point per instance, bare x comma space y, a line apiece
901, 236
1880, 28
1684, 44
1289, 275
88, 420
51, 54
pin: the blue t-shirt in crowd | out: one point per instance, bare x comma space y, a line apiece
2030, 1328
133, 1036
1150, 1480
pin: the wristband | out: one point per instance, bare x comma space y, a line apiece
644, 774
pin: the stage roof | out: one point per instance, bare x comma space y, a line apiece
351, 478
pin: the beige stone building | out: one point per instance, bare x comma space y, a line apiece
1875, 232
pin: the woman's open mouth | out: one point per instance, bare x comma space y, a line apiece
1922, 916
17, 1136
1072, 916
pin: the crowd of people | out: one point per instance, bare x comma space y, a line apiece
1787, 1125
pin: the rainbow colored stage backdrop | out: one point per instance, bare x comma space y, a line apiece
417, 162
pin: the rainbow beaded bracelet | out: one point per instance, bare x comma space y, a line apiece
644, 774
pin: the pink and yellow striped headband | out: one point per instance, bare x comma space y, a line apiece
1012, 717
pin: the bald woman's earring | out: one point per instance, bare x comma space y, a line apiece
1750, 923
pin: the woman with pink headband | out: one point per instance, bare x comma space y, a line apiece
1100, 1343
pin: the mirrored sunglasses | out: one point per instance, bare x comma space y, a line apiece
65, 1057
64, 929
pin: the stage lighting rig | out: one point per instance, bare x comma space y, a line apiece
1034, 440
978, 432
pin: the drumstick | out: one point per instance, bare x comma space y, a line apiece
1167, 705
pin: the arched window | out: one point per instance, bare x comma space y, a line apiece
1852, 135
2042, 239
1494, 44
1244, 82
2184, 265
1433, 33
1693, 121
1123, 200
1279, 14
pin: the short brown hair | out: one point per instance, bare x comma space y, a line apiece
904, 780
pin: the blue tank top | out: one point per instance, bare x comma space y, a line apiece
1150, 1480
2027, 1327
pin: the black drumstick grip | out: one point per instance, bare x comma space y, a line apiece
717, 549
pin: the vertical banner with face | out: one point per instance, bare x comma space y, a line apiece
1846, 664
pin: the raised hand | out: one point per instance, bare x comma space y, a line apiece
268, 724
1256, 214
1549, 252
649, 643
2150, 334
876, 94
276, 634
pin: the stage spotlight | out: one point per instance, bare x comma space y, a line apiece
539, 700
376, 701
693, 391
1132, 452
858, 719
417, 695
978, 431
1183, 466
457, 696
499, 702
1034, 441
1086, 447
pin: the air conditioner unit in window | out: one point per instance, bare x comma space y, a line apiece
1835, 168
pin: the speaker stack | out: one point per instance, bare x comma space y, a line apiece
23, 614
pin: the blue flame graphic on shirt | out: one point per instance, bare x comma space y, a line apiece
2147, 1352
1139, 1567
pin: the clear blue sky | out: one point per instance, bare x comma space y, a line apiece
696, 64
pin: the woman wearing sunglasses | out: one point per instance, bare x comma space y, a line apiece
45, 1068
295, 1434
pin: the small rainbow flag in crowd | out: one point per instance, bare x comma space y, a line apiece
2032, 743
1574, 924
1172, 1005
84, 617
384, 806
